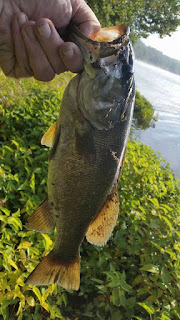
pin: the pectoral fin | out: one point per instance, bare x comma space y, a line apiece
48, 137
41, 219
101, 227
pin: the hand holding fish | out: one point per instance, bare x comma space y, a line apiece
30, 44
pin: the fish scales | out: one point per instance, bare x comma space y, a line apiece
87, 154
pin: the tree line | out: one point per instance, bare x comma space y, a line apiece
156, 57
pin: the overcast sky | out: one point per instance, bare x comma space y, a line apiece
170, 46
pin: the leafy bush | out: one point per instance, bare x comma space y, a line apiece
135, 276
143, 113
137, 272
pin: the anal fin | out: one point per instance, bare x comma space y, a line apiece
41, 219
48, 137
100, 229
50, 271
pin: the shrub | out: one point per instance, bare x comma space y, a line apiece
137, 272
144, 116
135, 276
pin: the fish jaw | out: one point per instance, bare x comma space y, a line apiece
94, 48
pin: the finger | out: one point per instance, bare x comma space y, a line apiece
22, 66
84, 18
50, 42
71, 56
7, 59
39, 63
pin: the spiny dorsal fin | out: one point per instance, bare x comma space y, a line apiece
41, 219
100, 229
48, 137
51, 270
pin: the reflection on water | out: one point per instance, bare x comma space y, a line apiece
162, 89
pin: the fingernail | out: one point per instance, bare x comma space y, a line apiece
22, 18
30, 33
44, 30
68, 53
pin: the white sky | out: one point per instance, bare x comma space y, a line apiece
170, 46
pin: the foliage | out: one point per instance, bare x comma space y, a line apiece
156, 57
143, 117
135, 276
137, 272
143, 17
22, 182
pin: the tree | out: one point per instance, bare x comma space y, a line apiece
143, 16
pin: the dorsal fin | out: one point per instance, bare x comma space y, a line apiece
100, 229
48, 137
41, 219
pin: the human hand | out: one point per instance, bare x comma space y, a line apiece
30, 44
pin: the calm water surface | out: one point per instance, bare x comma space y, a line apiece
162, 89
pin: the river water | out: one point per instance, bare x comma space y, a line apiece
162, 89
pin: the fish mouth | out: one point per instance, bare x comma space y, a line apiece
104, 43
111, 34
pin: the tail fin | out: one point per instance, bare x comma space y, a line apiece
50, 271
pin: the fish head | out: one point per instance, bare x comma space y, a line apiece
107, 81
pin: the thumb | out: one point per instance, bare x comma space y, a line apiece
85, 18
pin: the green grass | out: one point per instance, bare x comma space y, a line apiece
12, 89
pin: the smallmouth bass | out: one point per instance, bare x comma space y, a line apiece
88, 147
